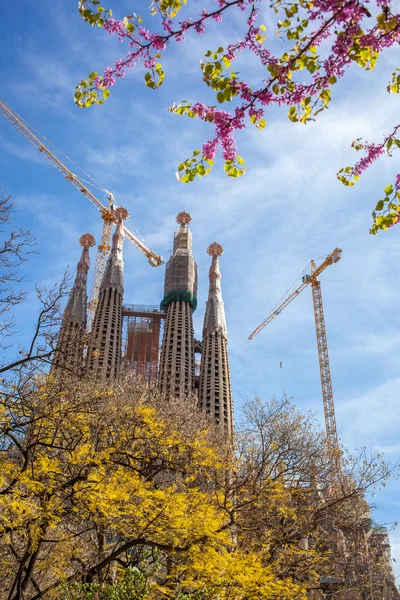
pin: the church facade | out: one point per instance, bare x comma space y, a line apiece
175, 370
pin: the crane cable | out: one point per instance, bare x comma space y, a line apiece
131, 226
291, 288
95, 183
295, 284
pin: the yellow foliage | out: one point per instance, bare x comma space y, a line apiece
236, 575
100, 474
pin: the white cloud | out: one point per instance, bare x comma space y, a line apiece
23, 151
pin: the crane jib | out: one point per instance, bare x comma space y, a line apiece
323, 357
14, 118
108, 218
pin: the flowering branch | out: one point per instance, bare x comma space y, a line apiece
301, 78
387, 211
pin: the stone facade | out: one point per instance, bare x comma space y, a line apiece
69, 354
215, 395
104, 349
176, 372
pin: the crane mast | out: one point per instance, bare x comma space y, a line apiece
107, 212
323, 357
324, 368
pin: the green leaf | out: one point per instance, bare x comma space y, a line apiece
388, 190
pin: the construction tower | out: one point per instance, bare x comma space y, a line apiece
141, 328
104, 349
215, 396
176, 372
69, 353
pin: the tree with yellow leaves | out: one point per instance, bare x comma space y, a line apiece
104, 486
109, 492
96, 478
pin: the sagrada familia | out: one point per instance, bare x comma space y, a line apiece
125, 340
174, 369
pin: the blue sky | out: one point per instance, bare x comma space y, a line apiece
286, 210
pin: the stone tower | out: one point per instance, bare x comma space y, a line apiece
69, 353
215, 396
104, 351
176, 373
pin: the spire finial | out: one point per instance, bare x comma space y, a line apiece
121, 213
215, 249
87, 240
183, 218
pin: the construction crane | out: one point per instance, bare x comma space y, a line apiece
107, 212
326, 383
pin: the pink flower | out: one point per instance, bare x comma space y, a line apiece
144, 33
210, 149
373, 152
158, 42
199, 27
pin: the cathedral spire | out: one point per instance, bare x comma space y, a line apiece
114, 272
176, 374
104, 352
214, 319
215, 396
69, 353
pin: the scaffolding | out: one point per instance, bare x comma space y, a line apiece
141, 331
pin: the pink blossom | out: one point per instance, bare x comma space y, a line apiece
373, 152
158, 42
150, 62
253, 18
113, 26
199, 27
210, 149
167, 24
334, 23
144, 33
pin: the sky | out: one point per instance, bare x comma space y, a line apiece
289, 208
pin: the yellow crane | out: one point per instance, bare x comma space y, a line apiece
107, 212
326, 383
